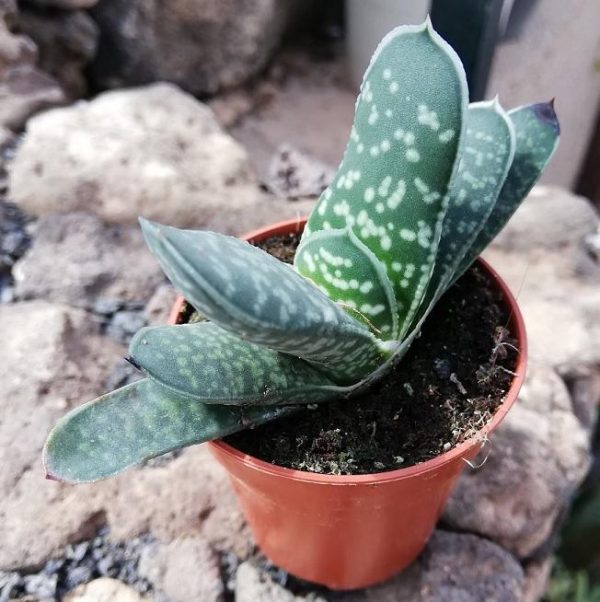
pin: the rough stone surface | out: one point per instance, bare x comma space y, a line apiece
540, 454
293, 174
76, 259
24, 89
453, 568
104, 590
185, 569
253, 585
66, 42
535, 460
152, 151
158, 308
202, 46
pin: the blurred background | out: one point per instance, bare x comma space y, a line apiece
228, 115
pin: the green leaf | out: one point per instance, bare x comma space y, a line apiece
486, 155
391, 187
250, 293
537, 133
209, 365
340, 264
140, 421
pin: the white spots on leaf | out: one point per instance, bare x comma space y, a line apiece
372, 310
369, 196
394, 87
308, 260
342, 208
385, 145
407, 234
373, 115
380, 207
360, 147
397, 196
427, 117
389, 113
446, 136
387, 74
396, 266
412, 155
424, 234
384, 186
366, 287
374, 150
386, 243
322, 207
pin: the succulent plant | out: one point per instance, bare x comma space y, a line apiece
426, 182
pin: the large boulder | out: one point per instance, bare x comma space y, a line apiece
533, 464
78, 260
153, 151
453, 568
66, 42
202, 46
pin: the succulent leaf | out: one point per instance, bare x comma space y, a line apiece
210, 365
348, 271
537, 133
250, 293
134, 423
486, 155
391, 187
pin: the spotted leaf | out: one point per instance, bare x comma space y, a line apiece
537, 133
348, 271
486, 155
210, 365
139, 421
391, 186
260, 299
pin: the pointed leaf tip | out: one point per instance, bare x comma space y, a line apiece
545, 112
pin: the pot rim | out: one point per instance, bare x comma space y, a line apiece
459, 451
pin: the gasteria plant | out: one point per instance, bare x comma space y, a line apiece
426, 182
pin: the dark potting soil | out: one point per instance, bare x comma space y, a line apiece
445, 389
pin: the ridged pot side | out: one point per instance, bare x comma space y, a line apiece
352, 531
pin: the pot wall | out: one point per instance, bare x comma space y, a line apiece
348, 532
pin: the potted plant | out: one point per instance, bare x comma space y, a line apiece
425, 184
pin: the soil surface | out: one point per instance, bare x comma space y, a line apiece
447, 387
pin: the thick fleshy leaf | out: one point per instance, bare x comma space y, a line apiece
537, 133
391, 187
348, 271
210, 365
486, 155
260, 299
140, 421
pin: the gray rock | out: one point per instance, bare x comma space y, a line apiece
253, 585
165, 564
66, 41
124, 324
76, 259
153, 151
218, 44
41, 586
535, 461
104, 590
158, 308
550, 218
293, 174
24, 89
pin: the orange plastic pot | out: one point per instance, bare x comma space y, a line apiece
348, 532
